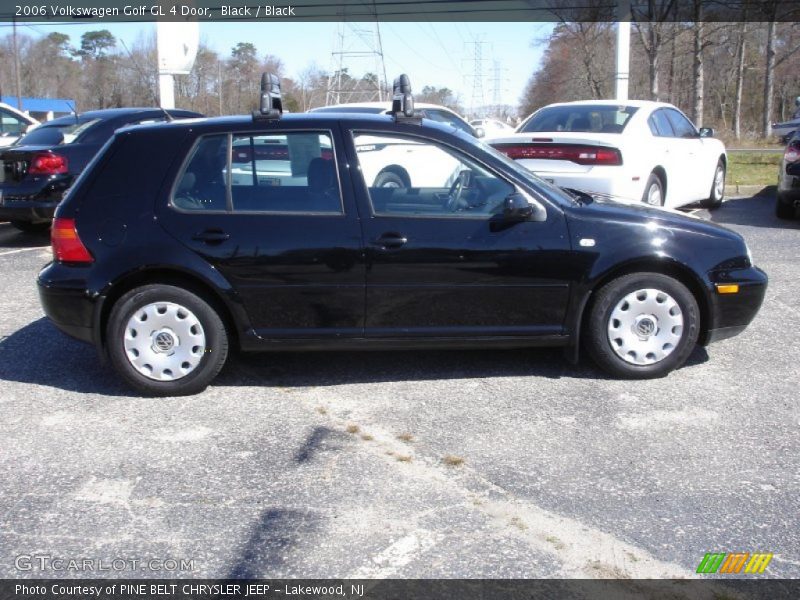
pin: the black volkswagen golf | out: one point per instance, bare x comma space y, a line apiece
267, 233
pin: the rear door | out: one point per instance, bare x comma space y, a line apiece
267, 209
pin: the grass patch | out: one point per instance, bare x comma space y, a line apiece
753, 168
367, 437
403, 458
405, 437
453, 461
353, 429
322, 410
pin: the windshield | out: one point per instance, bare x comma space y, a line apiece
587, 118
53, 134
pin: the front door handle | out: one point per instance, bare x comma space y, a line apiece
211, 236
390, 240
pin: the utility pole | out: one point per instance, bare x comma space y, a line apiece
623, 48
17, 81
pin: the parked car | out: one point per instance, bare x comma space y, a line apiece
635, 150
785, 130
434, 112
788, 195
491, 127
164, 262
42, 165
13, 124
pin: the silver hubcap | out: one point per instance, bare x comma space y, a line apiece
645, 326
654, 195
164, 341
719, 183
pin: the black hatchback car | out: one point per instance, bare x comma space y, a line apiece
263, 233
37, 170
787, 199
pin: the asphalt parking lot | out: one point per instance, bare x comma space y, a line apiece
414, 464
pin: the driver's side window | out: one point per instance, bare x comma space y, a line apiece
410, 176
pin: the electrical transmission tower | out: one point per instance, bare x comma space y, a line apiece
358, 49
477, 99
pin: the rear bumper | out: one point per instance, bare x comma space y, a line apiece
611, 181
732, 313
67, 303
27, 210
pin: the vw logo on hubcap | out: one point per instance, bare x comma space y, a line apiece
163, 341
645, 327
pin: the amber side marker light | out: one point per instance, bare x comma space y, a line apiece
728, 288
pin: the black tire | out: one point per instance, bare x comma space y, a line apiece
716, 195
783, 209
29, 227
653, 181
216, 340
389, 179
599, 344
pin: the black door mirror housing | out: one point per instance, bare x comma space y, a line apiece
706, 132
518, 208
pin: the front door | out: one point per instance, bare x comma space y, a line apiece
267, 210
440, 261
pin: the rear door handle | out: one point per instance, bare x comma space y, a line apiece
390, 240
211, 236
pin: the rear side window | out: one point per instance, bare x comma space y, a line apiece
293, 172
579, 118
660, 125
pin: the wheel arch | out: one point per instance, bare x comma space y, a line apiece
645, 265
166, 276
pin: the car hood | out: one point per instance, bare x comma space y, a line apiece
617, 209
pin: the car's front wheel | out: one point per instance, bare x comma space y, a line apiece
717, 193
166, 341
642, 326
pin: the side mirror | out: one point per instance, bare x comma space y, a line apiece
706, 132
480, 132
518, 208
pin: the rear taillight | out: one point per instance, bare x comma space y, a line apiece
583, 155
47, 163
67, 245
792, 152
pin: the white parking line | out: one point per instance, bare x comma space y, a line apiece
19, 250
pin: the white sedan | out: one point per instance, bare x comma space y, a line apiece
634, 150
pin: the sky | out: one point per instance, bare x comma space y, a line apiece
439, 54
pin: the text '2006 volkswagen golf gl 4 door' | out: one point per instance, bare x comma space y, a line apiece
184, 238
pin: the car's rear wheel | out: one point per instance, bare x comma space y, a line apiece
642, 326
714, 199
166, 341
654, 191
784, 209
29, 227
390, 179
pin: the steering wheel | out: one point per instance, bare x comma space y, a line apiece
457, 189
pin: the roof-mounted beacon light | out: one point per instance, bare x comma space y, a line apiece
271, 104
403, 100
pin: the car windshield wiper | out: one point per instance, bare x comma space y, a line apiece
579, 196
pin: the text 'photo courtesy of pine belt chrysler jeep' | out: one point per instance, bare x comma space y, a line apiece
184, 239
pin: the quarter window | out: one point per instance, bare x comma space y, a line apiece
409, 176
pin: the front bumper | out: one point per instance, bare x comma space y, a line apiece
732, 313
